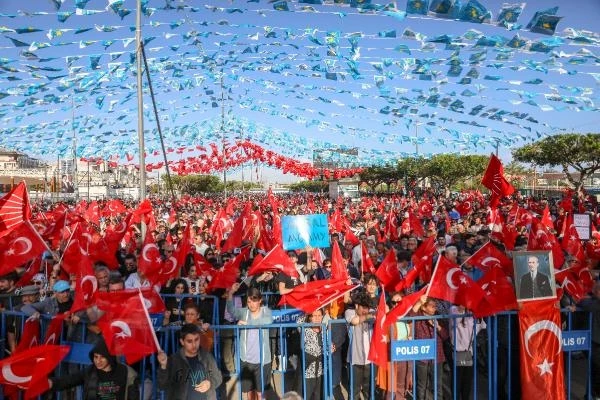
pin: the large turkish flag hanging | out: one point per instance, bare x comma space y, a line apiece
542, 368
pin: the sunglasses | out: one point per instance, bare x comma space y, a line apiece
38, 283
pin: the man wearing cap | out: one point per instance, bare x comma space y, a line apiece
59, 303
29, 295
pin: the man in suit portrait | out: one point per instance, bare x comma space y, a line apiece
534, 284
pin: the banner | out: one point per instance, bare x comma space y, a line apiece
302, 231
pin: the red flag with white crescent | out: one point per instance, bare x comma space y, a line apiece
29, 369
21, 245
313, 295
542, 367
127, 330
379, 349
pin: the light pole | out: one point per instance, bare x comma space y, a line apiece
140, 102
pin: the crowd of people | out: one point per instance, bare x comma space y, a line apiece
213, 243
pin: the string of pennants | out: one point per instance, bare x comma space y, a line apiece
340, 76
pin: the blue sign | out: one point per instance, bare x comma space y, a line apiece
157, 320
576, 341
301, 231
410, 350
286, 315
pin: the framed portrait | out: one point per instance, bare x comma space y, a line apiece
534, 275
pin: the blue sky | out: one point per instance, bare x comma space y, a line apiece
278, 77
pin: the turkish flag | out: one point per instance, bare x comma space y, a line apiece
542, 368
366, 263
546, 219
30, 336
275, 260
584, 275
425, 209
379, 350
54, 330
313, 295
152, 300
203, 267
349, 236
184, 247
29, 369
243, 229
230, 272
451, 284
568, 280
338, 264
540, 238
19, 246
14, 209
391, 226
114, 207
509, 236
423, 258
405, 305
463, 207
92, 214
388, 272
571, 243
488, 257
78, 249
494, 180
415, 225
127, 330
34, 267
499, 294
150, 259
86, 287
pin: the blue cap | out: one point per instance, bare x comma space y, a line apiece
454, 214
61, 286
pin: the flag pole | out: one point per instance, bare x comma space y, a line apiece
140, 100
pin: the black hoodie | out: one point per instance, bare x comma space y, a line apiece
119, 383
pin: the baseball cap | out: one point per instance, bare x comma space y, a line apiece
29, 290
61, 286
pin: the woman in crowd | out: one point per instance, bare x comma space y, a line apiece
313, 355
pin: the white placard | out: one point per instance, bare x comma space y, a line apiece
583, 225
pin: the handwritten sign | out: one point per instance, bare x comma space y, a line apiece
301, 231
576, 341
583, 225
410, 350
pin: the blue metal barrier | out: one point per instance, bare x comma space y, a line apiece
494, 352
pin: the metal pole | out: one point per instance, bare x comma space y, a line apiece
75, 178
497, 146
223, 138
140, 100
241, 140
417, 137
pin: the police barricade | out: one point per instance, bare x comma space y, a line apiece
495, 361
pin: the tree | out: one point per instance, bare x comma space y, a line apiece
310, 186
571, 151
194, 184
446, 170
516, 173
372, 177
410, 170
